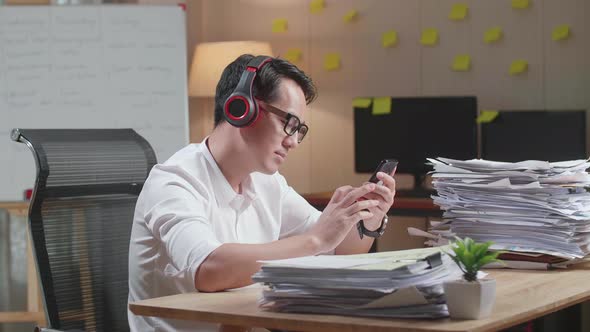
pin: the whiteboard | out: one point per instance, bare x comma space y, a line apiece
90, 67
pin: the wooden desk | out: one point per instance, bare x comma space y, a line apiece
402, 206
521, 296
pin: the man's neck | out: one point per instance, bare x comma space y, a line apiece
230, 156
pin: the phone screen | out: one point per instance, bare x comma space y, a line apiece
386, 166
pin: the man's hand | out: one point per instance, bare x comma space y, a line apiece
343, 212
385, 195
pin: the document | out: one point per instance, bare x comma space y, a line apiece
404, 283
526, 208
325, 261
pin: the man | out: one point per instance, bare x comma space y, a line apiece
211, 211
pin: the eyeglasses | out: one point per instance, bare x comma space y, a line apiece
292, 123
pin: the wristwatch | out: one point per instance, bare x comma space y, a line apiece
376, 233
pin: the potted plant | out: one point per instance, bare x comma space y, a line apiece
470, 298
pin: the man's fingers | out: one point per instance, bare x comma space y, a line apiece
372, 195
360, 205
383, 193
339, 193
361, 215
353, 195
388, 180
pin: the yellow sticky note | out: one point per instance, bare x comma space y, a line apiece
279, 25
361, 102
518, 67
462, 63
332, 61
389, 38
351, 16
520, 4
487, 116
492, 35
429, 36
316, 6
381, 106
560, 32
458, 12
293, 55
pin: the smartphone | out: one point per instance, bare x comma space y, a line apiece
386, 166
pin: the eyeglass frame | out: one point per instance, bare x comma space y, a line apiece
287, 116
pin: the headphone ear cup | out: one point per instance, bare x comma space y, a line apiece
240, 110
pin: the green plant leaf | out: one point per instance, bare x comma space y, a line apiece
470, 256
460, 245
486, 260
480, 250
468, 261
460, 249
469, 244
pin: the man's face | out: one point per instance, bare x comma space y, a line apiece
266, 138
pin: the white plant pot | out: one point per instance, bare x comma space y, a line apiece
470, 300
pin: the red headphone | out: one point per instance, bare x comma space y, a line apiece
240, 108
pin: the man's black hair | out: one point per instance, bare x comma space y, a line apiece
265, 84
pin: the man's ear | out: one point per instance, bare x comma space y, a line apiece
258, 115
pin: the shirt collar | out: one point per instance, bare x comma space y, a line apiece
224, 193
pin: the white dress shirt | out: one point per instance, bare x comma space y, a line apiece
186, 210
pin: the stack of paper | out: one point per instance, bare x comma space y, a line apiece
538, 211
401, 284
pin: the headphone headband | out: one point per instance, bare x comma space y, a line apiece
240, 109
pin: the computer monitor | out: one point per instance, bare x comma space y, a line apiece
539, 135
416, 128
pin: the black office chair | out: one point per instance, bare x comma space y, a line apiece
81, 213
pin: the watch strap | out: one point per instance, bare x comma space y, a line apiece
374, 234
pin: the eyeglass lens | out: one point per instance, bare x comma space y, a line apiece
293, 125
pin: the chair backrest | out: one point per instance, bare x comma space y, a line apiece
81, 213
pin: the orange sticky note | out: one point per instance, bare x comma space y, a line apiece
279, 25
332, 61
